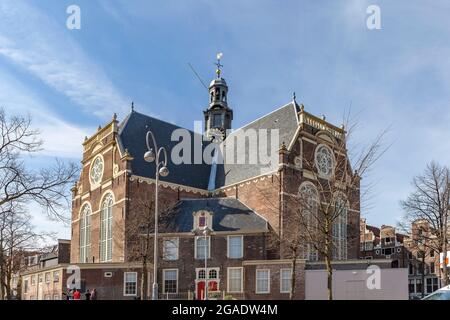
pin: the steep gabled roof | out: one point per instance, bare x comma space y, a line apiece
285, 119
229, 214
132, 135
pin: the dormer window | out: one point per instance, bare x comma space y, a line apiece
202, 219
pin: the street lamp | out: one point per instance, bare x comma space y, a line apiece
206, 232
150, 156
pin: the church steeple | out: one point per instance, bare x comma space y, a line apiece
218, 115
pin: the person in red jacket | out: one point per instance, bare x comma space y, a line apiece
76, 295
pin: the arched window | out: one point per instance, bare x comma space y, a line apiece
309, 208
85, 233
106, 229
339, 231
202, 274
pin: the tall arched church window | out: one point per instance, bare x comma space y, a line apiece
106, 228
339, 231
309, 208
85, 233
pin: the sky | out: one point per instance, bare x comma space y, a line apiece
396, 77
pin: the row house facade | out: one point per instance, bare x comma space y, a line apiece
406, 251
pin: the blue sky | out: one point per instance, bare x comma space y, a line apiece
71, 81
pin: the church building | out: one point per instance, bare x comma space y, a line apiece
224, 226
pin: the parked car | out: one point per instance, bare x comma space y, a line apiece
441, 294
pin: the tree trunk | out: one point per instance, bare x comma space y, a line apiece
444, 277
329, 278
294, 267
423, 273
144, 286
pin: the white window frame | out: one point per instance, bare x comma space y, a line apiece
257, 291
209, 247
241, 255
106, 227
164, 281
281, 280
47, 279
125, 286
228, 279
177, 242
26, 285
85, 223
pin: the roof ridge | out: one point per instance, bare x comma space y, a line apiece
164, 121
257, 119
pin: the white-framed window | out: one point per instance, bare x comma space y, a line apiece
47, 277
285, 280
85, 233
262, 281
40, 278
170, 248
130, 284
106, 219
170, 280
55, 276
235, 247
234, 279
339, 231
308, 195
202, 219
324, 160
202, 247
25, 285
33, 280
432, 284
96, 171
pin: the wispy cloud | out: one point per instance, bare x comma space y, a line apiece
61, 138
37, 43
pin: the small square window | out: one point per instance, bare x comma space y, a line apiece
130, 284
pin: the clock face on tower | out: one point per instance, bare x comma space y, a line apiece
96, 172
324, 161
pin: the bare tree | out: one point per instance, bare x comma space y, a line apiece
17, 237
142, 230
316, 227
430, 202
47, 187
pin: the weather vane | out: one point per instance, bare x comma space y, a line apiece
218, 56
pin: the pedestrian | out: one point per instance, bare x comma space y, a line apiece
88, 295
76, 295
93, 294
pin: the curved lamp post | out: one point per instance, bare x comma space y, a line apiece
206, 232
160, 169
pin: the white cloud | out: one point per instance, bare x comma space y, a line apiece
38, 44
60, 137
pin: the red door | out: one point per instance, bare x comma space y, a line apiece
200, 290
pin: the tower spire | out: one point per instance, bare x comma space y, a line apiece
218, 115
218, 71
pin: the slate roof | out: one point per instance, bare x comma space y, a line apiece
285, 119
229, 214
133, 129
132, 133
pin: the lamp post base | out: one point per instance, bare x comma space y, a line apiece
155, 291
